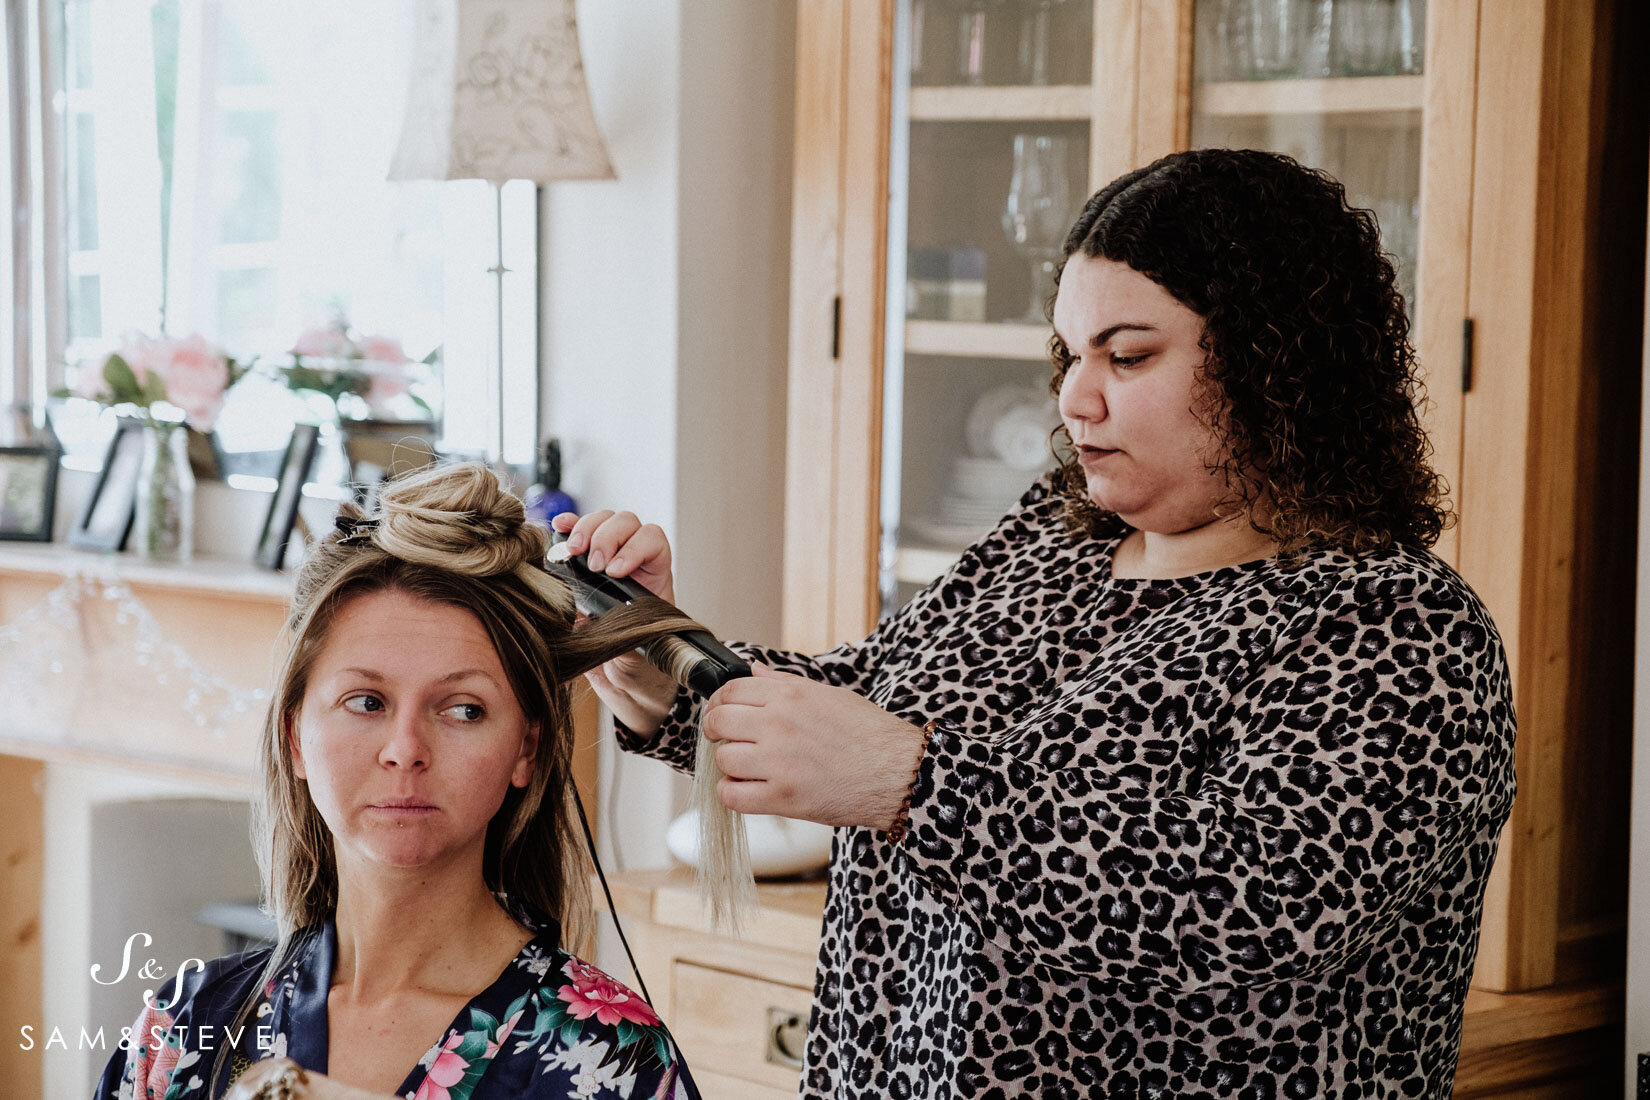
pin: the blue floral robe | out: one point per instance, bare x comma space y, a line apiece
549, 1026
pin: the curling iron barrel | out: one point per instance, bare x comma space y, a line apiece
595, 594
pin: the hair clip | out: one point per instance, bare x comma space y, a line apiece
354, 532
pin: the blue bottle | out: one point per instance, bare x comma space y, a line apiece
545, 498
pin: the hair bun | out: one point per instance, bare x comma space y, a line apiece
458, 517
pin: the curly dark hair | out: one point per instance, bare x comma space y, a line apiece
1310, 388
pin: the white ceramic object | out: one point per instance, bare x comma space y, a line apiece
1020, 437
779, 846
984, 413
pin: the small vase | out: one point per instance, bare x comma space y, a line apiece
164, 526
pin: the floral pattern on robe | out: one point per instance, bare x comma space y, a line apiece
550, 1025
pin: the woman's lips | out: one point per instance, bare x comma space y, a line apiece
1089, 455
397, 807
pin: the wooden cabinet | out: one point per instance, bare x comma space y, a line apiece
1504, 151
738, 1007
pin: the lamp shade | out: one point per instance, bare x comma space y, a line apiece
498, 94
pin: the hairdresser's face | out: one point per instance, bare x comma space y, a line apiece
409, 734
1127, 399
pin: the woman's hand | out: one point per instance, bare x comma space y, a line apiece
620, 545
792, 746
316, 1086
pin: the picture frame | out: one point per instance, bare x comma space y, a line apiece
296, 464
380, 450
105, 520
29, 458
206, 457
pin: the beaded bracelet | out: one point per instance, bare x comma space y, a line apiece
902, 820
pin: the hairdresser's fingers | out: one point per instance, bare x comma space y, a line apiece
563, 521
745, 796
731, 723
646, 556
746, 691
578, 541
612, 533
742, 760
636, 700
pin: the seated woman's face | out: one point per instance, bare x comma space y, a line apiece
1127, 398
409, 734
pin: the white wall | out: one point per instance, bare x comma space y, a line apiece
665, 318
125, 853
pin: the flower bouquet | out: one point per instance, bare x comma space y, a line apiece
360, 377
160, 379
167, 383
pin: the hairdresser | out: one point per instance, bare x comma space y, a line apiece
1186, 779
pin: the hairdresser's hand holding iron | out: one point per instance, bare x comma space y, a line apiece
788, 745
792, 746
620, 545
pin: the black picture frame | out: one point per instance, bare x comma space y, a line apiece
29, 458
206, 457
289, 490
105, 521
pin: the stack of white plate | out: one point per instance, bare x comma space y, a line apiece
1007, 431
981, 490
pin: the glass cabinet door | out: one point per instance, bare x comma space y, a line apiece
1336, 84
1001, 117
989, 166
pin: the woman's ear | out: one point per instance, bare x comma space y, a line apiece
289, 730
522, 774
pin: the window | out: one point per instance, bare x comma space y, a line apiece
223, 171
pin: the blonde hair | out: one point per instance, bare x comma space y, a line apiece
450, 534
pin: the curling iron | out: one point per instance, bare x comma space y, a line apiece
595, 594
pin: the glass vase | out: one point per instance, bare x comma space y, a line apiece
164, 526
1039, 211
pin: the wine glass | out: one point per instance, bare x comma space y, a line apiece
1038, 212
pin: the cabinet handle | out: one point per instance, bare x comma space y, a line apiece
787, 1032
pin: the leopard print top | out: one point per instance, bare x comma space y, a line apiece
1219, 836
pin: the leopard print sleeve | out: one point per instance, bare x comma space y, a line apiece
857, 665
850, 665
1357, 772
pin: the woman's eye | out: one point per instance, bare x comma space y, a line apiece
466, 712
1127, 360
363, 704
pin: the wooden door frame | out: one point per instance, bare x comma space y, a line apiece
838, 311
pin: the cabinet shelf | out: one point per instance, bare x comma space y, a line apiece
1347, 95
1056, 103
977, 340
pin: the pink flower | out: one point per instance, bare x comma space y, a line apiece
593, 993
503, 1034
196, 375
90, 383
381, 349
446, 1071
141, 354
385, 384
325, 342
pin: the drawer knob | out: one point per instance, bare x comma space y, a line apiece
787, 1032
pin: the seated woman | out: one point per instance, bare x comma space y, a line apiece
417, 837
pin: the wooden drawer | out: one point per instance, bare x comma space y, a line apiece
726, 1024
